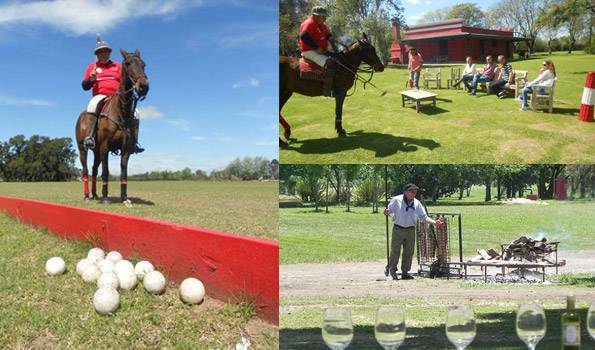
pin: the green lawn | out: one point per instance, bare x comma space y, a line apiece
306, 236
246, 208
300, 327
42, 312
461, 129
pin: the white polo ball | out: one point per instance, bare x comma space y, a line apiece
82, 265
154, 282
192, 291
127, 279
96, 254
55, 266
142, 268
91, 274
106, 300
123, 266
108, 279
114, 257
106, 266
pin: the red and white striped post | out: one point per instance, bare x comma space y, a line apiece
586, 114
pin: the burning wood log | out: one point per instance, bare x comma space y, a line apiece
521, 249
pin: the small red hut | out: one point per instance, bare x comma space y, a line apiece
451, 41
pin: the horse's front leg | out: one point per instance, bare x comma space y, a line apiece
104, 156
124, 178
96, 162
339, 99
83, 158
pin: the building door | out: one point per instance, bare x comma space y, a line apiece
443, 48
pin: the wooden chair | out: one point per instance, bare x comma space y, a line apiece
455, 75
432, 74
543, 97
520, 80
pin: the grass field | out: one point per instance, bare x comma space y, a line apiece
246, 208
300, 327
461, 129
306, 236
42, 312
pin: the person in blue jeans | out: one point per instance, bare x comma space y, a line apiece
546, 77
414, 66
489, 72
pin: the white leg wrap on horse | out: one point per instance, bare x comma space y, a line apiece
92, 106
318, 58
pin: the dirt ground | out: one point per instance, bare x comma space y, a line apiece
365, 278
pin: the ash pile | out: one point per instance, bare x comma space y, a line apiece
517, 276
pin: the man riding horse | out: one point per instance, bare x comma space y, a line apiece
315, 45
104, 77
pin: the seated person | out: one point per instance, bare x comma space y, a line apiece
504, 77
546, 77
488, 74
468, 73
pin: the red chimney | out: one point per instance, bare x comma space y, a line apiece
397, 50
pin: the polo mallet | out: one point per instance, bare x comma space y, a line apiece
386, 217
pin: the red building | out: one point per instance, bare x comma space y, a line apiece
451, 41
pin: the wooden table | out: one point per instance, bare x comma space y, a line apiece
417, 96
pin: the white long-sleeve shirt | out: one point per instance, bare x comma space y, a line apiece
470, 69
404, 215
545, 78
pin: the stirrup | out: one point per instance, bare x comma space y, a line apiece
89, 143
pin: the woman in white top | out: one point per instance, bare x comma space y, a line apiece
547, 75
468, 73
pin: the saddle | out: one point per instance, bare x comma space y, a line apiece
309, 70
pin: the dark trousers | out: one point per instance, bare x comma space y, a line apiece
497, 85
402, 237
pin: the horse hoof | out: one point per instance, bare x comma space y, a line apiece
105, 201
287, 134
95, 197
342, 133
127, 203
87, 200
283, 143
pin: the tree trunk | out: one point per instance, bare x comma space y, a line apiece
488, 185
498, 188
348, 192
461, 191
326, 200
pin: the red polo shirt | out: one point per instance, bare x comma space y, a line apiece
318, 32
107, 78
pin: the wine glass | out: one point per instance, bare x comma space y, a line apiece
337, 329
460, 326
530, 324
390, 327
591, 320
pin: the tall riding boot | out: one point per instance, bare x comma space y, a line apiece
137, 147
329, 75
89, 141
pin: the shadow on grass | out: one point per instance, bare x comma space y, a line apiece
566, 111
134, 200
494, 331
383, 145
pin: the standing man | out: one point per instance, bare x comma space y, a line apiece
314, 45
414, 66
405, 210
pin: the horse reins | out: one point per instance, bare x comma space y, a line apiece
355, 70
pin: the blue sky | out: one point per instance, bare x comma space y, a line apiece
415, 9
211, 65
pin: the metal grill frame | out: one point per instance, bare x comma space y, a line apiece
428, 252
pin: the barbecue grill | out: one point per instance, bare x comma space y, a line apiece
434, 245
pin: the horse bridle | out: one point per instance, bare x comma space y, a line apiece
135, 95
356, 70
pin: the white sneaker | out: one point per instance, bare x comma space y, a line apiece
523, 108
520, 98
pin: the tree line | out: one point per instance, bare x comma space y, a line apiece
548, 25
42, 158
364, 184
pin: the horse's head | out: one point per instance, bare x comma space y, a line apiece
134, 67
368, 53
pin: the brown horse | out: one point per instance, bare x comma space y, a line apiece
349, 62
115, 128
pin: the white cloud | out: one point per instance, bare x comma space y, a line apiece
267, 143
88, 16
255, 34
252, 82
414, 2
23, 101
149, 112
179, 123
199, 138
428, 2
417, 18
